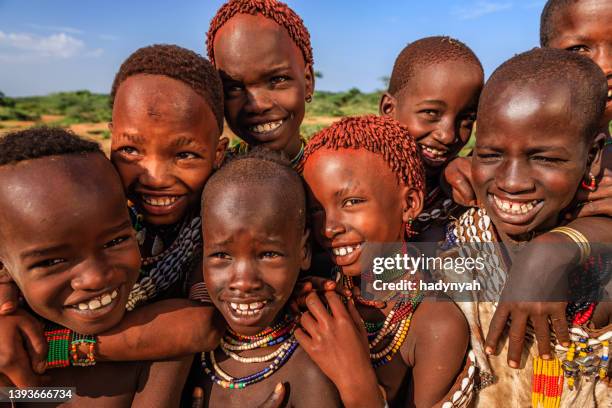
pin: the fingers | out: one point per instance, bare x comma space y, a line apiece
9, 298
516, 339
303, 338
496, 328
316, 307
308, 324
560, 327
542, 334
597, 207
276, 398
197, 398
32, 332
336, 306
354, 313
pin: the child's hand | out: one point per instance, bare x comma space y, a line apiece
337, 342
549, 257
519, 313
24, 349
9, 297
315, 284
458, 175
598, 202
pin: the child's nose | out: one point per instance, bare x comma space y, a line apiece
92, 275
156, 173
445, 133
258, 101
332, 226
245, 277
514, 178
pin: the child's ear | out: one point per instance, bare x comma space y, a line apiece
387, 105
110, 126
412, 201
596, 154
310, 81
306, 252
220, 152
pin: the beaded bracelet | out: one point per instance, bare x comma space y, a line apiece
63, 347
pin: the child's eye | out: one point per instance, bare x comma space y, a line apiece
128, 150
48, 263
488, 156
271, 254
186, 155
219, 255
279, 79
117, 241
578, 48
431, 114
548, 159
233, 88
352, 201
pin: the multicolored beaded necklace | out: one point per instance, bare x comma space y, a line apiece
167, 266
395, 326
281, 333
63, 346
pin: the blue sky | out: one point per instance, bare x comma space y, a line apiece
63, 45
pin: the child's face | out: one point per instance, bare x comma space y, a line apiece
266, 82
438, 107
252, 256
165, 143
529, 160
68, 243
354, 198
585, 28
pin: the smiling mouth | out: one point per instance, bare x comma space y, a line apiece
267, 127
97, 303
609, 95
157, 201
433, 154
345, 255
248, 309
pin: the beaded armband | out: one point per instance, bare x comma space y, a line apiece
63, 347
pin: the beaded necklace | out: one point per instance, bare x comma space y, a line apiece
159, 272
395, 326
281, 333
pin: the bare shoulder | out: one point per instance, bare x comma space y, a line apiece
309, 386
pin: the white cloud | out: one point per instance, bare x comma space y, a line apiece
96, 53
59, 45
64, 29
480, 9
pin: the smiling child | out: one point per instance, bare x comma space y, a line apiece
262, 51
67, 242
433, 91
254, 250
524, 180
366, 183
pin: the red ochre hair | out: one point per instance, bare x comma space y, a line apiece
379, 135
281, 13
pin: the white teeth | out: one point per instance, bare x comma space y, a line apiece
98, 302
247, 309
433, 151
94, 304
342, 251
609, 93
514, 207
266, 127
159, 201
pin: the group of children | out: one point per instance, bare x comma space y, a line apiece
180, 246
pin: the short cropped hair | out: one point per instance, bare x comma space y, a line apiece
550, 13
426, 52
178, 63
281, 13
550, 67
380, 135
261, 166
39, 142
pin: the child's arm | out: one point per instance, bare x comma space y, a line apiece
165, 329
337, 343
442, 337
161, 383
522, 293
